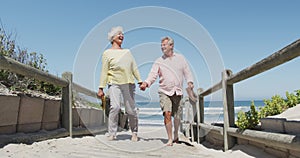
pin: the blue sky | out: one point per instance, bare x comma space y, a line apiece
244, 32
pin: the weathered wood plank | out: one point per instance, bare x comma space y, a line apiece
211, 90
284, 55
200, 112
25, 70
67, 103
286, 141
84, 90
201, 109
228, 109
225, 110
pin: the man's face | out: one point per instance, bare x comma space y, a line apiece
166, 47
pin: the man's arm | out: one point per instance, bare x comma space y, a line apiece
151, 77
188, 75
152, 74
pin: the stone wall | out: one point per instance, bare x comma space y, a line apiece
9, 109
28, 114
280, 125
87, 117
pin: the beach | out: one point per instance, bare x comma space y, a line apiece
150, 112
151, 144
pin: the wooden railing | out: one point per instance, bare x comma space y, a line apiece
66, 82
226, 84
228, 80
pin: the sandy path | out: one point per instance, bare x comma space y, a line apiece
150, 144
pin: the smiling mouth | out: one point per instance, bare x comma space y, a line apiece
121, 38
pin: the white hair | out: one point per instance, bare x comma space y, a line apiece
170, 40
114, 31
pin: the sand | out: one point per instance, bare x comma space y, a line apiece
291, 114
151, 144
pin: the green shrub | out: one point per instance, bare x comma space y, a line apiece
17, 82
242, 121
249, 119
95, 105
291, 99
252, 116
298, 96
273, 107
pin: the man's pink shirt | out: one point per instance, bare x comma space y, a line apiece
171, 71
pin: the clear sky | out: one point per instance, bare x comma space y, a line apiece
72, 35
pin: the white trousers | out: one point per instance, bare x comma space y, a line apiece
116, 93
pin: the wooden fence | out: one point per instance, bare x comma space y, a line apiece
65, 82
226, 84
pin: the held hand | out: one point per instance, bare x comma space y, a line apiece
140, 83
143, 86
191, 85
100, 93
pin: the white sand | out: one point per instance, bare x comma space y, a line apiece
151, 144
290, 114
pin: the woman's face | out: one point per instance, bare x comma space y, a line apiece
119, 38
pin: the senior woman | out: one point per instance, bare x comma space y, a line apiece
119, 70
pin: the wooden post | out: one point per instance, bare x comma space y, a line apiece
67, 103
228, 108
230, 101
200, 112
182, 102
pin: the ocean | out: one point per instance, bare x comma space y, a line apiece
150, 113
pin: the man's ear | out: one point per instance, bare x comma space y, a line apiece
172, 45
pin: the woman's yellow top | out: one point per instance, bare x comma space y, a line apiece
118, 67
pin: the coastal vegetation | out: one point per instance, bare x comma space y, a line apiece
274, 106
16, 82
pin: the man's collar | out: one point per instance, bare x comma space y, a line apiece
165, 57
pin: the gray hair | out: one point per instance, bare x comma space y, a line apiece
114, 31
170, 40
